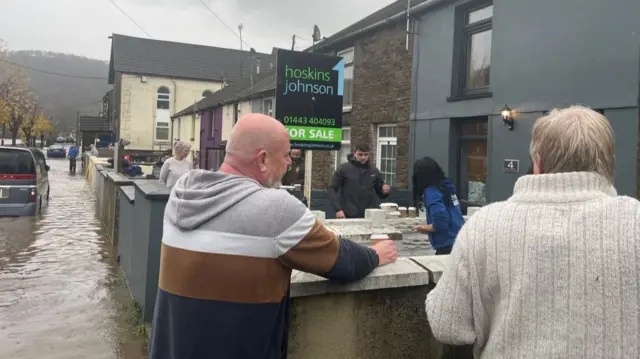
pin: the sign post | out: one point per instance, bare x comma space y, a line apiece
309, 103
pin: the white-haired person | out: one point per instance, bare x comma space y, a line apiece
554, 271
174, 167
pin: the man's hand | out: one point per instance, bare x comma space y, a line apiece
386, 188
387, 252
424, 228
340, 214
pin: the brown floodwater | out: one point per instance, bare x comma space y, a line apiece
62, 295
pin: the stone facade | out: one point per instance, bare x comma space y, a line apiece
382, 95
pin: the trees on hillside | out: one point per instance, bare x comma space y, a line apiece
18, 104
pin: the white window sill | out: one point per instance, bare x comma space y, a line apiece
347, 108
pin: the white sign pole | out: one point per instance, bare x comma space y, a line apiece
308, 166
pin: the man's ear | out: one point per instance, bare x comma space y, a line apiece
262, 160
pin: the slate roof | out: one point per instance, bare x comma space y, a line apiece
143, 56
233, 92
94, 124
382, 14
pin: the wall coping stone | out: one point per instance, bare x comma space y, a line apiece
119, 179
152, 189
129, 192
404, 272
434, 264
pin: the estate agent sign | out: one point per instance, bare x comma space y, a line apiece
309, 98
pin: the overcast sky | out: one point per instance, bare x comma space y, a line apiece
82, 27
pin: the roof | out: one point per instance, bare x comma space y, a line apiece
380, 15
142, 56
233, 92
94, 124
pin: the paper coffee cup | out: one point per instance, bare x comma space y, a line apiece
377, 238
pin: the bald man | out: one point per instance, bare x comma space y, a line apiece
230, 240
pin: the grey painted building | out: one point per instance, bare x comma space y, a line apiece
471, 58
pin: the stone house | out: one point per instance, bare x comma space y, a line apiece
154, 79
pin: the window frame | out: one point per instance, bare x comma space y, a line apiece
163, 94
462, 50
351, 64
387, 140
342, 142
267, 110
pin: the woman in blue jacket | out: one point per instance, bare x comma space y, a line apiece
444, 217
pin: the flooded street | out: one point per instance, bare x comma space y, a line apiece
61, 293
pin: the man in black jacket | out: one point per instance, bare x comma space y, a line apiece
360, 185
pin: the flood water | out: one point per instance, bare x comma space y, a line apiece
61, 293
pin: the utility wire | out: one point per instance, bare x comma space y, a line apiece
223, 23
53, 73
130, 18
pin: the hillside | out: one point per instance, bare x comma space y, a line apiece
62, 96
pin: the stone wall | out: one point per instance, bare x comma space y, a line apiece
382, 95
379, 317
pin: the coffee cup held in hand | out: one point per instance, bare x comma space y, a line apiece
377, 238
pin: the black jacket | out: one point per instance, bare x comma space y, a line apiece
360, 187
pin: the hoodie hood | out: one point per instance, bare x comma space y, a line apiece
352, 159
450, 185
201, 195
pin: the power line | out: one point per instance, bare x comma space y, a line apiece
53, 73
223, 23
130, 18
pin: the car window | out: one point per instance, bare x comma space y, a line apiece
56, 147
16, 162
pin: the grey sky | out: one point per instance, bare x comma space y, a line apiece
82, 27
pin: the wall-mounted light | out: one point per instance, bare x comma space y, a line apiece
507, 117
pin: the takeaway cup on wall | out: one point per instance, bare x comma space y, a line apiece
377, 238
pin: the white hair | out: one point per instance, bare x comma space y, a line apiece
181, 146
574, 139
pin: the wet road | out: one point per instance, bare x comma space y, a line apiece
61, 294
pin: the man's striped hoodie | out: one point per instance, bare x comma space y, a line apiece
228, 248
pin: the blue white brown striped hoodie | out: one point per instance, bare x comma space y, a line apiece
228, 248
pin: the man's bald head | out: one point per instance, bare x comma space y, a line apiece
258, 147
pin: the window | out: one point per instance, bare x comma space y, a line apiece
347, 99
386, 153
267, 107
472, 160
345, 147
472, 57
163, 114
206, 93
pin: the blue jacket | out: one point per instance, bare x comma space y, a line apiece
73, 153
446, 220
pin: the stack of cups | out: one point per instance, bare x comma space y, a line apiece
403, 211
412, 212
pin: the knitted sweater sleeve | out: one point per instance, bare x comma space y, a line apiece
449, 305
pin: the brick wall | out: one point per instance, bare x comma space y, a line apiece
382, 95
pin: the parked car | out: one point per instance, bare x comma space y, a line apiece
56, 150
24, 181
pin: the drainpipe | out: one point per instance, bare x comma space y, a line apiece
175, 105
415, 9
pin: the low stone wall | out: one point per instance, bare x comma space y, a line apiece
382, 316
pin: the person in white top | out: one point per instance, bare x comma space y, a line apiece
552, 272
174, 167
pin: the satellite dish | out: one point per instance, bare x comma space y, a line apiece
317, 35
124, 142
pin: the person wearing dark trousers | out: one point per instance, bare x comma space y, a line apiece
444, 216
73, 156
356, 185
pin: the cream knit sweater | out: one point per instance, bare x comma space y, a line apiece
553, 272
